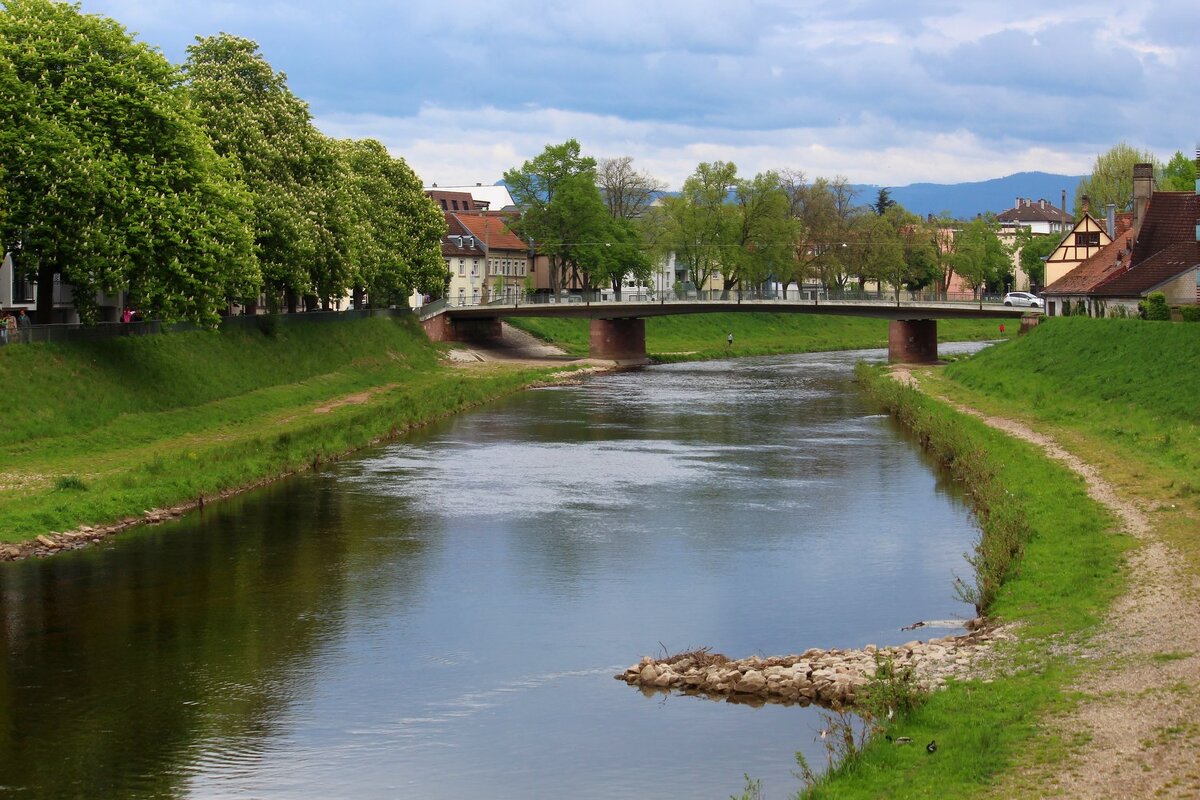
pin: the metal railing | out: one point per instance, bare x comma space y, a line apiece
791, 296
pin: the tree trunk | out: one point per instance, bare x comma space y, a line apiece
291, 300
357, 298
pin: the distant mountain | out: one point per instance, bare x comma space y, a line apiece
966, 200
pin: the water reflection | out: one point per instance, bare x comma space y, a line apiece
442, 618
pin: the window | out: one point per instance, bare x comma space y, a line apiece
455, 204
474, 266
1088, 239
462, 266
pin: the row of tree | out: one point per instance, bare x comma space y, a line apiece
192, 186
779, 228
602, 222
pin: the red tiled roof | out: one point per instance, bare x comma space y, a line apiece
491, 230
1150, 274
1110, 260
1165, 248
1170, 219
458, 241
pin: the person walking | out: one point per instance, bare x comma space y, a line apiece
729, 342
10, 327
25, 326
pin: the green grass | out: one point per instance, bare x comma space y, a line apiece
116, 427
1121, 394
1068, 576
699, 336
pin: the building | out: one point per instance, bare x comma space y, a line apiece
1085, 239
1039, 217
506, 255
1159, 252
479, 197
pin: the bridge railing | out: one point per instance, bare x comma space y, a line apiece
732, 296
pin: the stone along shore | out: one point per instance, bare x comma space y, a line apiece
825, 677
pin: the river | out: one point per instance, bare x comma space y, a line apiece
442, 617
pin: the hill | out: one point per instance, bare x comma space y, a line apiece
966, 200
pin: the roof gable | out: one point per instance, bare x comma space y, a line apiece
492, 231
1069, 250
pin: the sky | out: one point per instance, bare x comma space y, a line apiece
875, 91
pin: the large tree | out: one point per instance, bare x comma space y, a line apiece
1179, 175
626, 191
1111, 180
979, 257
1034, 249
394, 241
700, 224
111, 182
562, 213
767, 233
289, 168
877, 251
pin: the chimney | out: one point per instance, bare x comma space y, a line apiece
1018, 204
1086, 203
1042, 203
1198, 194
1064, 202
1111, 210
1143, 187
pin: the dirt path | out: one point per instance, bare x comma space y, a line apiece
1136, 732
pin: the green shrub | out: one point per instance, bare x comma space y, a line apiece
1190, 313
70, 483
1155, 307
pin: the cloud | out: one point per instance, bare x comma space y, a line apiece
880, 92
500, 139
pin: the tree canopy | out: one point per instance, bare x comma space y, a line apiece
566, 218
1179, 175
110, 179
1111, 179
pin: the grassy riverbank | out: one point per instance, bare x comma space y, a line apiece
101, 431
700, 336
1120, 394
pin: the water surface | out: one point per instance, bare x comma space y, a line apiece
442, 617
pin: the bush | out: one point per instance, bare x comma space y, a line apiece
1190, 313
1155, 307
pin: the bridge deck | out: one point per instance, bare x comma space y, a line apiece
625, 309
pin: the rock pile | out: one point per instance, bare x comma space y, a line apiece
831, 678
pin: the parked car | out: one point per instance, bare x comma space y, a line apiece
1023, 299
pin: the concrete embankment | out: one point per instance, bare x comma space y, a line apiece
831, 678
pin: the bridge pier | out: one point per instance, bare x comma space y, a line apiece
621, 340
444, 329
912, 341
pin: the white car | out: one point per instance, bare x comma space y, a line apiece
1023, 299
